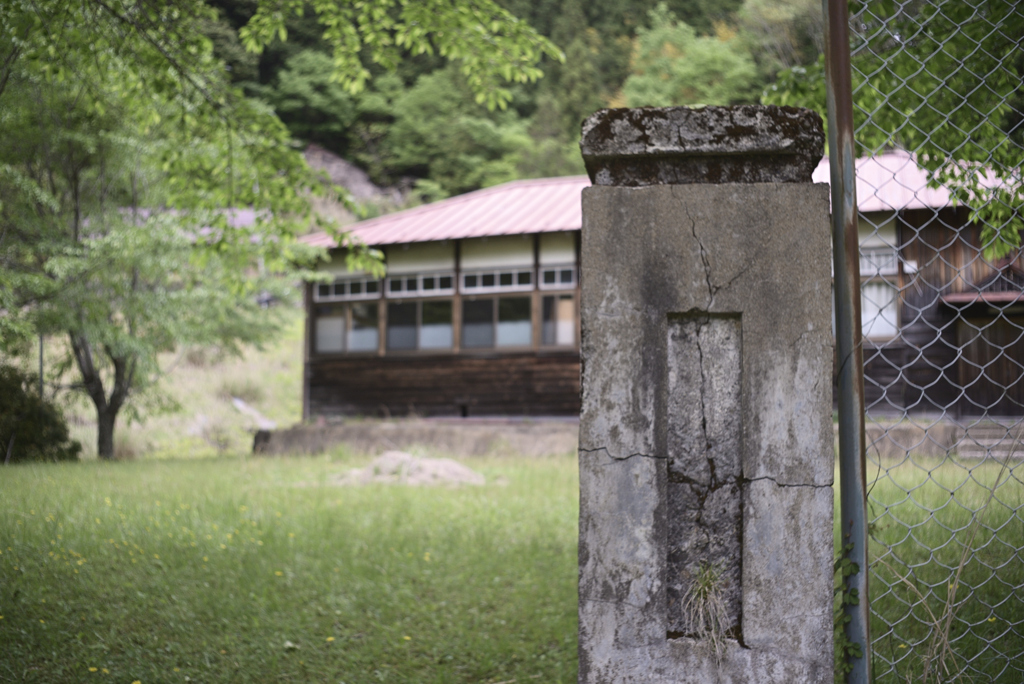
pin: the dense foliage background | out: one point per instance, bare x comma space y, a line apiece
422, 128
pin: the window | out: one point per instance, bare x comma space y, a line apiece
436, 325
329, 327
419, 325
558, 320
401, 326
345, 327
477, 323
501, 322
420, 285
514, 326
497, 281
363, 335
558, 277
347, 289
879, 314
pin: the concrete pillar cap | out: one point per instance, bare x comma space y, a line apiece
679, 145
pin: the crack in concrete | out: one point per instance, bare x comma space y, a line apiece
620, 458
784, 484
712, 290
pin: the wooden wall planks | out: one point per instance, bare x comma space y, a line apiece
508, 384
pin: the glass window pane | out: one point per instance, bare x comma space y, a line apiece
436, 328
549, 277
410, 284
330, 333
323, 290
514, 329
469, 281
339, 289
355, 287
524, 278
505, 279
429, 283
364, 335
477, 323
446, 282
878, 309
487, 280
395, 285
401, 326
566, 276
559, 321
372, 287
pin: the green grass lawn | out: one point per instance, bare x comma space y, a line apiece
237, 570
231, 570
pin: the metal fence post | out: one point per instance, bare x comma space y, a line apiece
846, 259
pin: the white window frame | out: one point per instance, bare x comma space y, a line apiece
480, 289
878, 261
419, 292
558, 284
346, 297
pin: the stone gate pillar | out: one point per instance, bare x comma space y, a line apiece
706, 457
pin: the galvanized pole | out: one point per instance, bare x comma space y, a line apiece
40, 366
846, 260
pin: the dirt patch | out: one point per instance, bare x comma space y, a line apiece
400, 468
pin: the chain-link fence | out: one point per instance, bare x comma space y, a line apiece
938, 104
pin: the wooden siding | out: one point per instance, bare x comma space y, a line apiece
924, 368
508, 384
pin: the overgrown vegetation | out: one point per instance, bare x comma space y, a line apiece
704, 608
31, 428
944, 569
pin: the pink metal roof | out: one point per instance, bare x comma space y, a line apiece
528, 206
887, 182
890, 182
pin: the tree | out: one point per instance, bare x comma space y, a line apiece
942, 80
314, 106
440, 133
127, 156
672, 65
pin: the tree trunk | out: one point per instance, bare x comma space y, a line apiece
105, 421
106, 407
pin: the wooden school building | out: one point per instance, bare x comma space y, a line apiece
477, 315
478, 312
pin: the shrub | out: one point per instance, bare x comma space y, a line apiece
31, 428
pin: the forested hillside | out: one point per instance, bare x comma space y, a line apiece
421, 129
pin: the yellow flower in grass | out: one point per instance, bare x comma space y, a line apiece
92, 669
278, 573
330, 639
